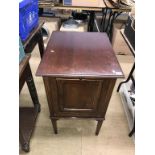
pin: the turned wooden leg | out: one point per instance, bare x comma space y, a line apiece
32, 88
54, 123
99, 124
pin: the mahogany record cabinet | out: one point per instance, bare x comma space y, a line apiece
79, 72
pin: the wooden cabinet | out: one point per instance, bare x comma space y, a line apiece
79, 72
78, 97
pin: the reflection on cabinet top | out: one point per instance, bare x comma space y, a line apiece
76, 54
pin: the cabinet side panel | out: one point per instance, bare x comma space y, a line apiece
49, 95
107, 87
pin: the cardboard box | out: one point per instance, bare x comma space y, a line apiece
118, 43
89, 3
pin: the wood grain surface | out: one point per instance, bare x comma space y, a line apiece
76, 54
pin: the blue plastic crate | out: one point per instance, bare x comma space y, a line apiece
28, 17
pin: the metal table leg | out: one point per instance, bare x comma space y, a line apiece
114, 16
133, 130
104, 18
91, 21
41, 43
131, 72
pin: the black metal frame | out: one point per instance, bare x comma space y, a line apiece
133, 129
108, 26
91, 21
130, 76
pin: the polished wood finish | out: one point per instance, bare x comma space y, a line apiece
34, 38
27, 120
99, 124
79, 72
27, 115
23, 64
76, 54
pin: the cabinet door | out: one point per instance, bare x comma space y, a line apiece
75, 95
78, 97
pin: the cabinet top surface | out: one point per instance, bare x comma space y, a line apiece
79, 54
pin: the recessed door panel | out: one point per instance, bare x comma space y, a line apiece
78, 95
